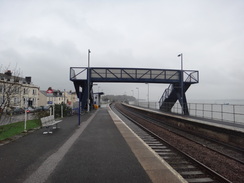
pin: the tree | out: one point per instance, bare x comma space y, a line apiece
118, 98
10, 89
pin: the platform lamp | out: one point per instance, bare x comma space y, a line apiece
147, 95
138, 95
181, 82
88, 81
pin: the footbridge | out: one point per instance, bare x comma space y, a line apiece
179, 81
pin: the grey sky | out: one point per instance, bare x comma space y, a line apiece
45, 38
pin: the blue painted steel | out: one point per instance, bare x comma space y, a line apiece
136, 75
79, 76
79, 113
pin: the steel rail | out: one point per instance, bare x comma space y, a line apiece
172, 129
214, 175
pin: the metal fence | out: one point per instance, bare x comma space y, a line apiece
233, 113
224, 112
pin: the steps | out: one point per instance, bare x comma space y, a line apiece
171, 95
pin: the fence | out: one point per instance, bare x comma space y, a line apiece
233, 113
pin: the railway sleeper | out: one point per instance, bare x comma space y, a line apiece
199, 180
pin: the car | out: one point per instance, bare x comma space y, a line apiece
38, 109
18, 110
45, 108
29, 109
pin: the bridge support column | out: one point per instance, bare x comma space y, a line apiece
184, 105
82, 90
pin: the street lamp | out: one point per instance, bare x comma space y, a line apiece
88, 82
181, 82
147, 95
138, 95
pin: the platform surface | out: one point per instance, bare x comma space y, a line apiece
96, 151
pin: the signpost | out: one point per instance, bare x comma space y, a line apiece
50, 94
49, 91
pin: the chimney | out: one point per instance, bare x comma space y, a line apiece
8, 73
28, 79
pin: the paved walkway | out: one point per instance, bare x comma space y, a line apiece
93, 152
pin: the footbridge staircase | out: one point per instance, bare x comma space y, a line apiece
176, 91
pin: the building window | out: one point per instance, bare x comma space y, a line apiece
16, 90
15, 100
25, 90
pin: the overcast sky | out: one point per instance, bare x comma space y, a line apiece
44, 38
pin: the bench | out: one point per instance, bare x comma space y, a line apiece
49, 121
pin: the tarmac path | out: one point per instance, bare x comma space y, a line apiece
93, 152
20, 158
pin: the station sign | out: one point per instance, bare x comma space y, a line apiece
49, 92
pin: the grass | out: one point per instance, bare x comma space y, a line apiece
10, 130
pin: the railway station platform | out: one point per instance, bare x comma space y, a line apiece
101, 149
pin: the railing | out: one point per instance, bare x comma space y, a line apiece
191, 76
135, 74
100, 74
78, 73
188, 77
233, 113
165, 94
152, 105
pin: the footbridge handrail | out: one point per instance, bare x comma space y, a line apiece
165, 94
101, 74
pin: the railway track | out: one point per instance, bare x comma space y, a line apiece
235, 153
188, 167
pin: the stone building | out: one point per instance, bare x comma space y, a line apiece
57, 97
16, 91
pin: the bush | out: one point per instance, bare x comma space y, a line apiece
66, 110
41, 114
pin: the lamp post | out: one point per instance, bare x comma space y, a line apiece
148, 95
138, 95
88, 82
181, 82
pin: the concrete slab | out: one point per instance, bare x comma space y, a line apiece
100, 154
157, 169
100, 150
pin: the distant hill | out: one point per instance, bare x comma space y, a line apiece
118, 98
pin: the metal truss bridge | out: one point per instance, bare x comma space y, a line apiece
179, 80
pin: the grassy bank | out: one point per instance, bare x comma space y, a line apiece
10, 130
